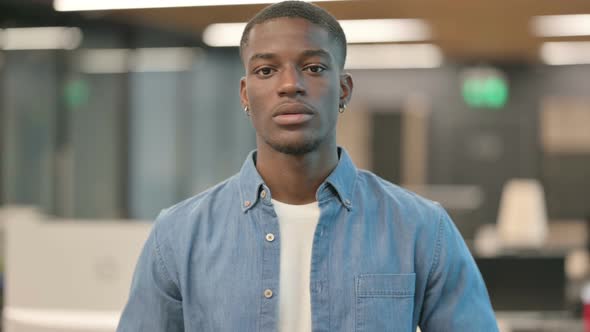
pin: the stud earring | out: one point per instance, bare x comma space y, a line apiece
246, 110
342, 108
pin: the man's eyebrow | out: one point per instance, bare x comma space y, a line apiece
305, 54
262, 56
318, 52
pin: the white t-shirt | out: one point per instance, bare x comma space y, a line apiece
297, 226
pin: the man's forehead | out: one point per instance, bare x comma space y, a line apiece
287, 27
278, 34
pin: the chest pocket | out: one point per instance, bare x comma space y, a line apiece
385, 302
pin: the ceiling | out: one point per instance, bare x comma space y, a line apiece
466, 30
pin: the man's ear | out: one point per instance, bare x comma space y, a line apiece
346, 86
243, 92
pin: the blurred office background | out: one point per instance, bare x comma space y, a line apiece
115, 114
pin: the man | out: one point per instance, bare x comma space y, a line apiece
300, 239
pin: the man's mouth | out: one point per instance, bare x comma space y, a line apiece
289, 114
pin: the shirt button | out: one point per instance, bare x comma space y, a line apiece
247, 203
346, 202
270, 237
268, 293
263, 194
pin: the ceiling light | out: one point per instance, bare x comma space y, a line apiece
357, 31
223, 34
393, 56
84, 5
385, 30
40, 38
565, 53
122, 60
561, 25
104, 61
165, 59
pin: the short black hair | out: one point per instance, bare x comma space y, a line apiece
299, 9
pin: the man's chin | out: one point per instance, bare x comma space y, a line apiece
295, 149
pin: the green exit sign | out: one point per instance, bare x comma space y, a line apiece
484, 88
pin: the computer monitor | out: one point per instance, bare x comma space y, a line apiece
525, 283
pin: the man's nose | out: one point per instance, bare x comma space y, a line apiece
291, 83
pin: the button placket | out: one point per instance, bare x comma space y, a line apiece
269, 235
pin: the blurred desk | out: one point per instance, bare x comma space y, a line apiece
563, 236
567, 235
540, 321
67, 275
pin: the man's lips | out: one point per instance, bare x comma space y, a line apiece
289, 114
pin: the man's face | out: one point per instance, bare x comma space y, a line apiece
293, 85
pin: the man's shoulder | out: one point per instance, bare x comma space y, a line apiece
186, 210
399, 198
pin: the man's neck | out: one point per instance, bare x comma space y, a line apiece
294, 179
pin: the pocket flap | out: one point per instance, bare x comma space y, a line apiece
386, 285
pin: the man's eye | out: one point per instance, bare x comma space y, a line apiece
264, 71
315, 69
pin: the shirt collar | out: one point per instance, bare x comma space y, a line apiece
341, 181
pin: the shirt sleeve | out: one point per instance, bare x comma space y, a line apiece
154, 303
456, 298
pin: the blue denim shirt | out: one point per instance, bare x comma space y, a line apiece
383, 259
